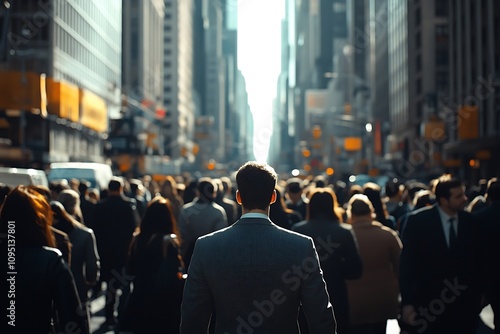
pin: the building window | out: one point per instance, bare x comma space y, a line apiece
442, 57
418, 40
419, 110
441, 8
419, 86
442, 82
442, 35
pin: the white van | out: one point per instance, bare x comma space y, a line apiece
97, 174
13, 177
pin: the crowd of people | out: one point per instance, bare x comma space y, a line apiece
253, 254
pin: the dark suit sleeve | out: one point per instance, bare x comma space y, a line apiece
408, 259
314, 296
197, 302
92, 264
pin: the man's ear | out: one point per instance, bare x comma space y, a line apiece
238, 197
273, 197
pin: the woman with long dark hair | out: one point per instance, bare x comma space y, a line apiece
46, 300
340, 262
155, 262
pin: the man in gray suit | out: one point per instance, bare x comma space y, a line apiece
254, 275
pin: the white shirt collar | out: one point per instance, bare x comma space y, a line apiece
254, 215
444, 223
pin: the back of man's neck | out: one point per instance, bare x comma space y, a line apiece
264, 212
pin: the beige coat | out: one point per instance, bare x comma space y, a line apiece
374, 297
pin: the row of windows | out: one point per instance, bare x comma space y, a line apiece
88, 20
66, 43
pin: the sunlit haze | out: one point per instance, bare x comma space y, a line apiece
259, 48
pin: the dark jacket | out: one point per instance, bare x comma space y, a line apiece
115, 221
44, 290
254, 268
430, 271
84, 260
339, 258
156, 298
338, 255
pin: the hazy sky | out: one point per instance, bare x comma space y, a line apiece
259, 47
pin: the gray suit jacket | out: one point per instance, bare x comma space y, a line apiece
254, 275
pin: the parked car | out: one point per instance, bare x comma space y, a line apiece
13, 177
98, 174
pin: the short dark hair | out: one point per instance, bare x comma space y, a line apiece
115, 184
206, 188
443, 186
393, 187
294, 185
256, 182
359, 205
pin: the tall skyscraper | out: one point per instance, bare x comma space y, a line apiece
472, 112
61, 79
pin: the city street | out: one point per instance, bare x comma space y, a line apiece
97, 308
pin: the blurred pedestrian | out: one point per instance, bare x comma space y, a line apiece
373, 192
337, 252
200, 217
229, 206
169, 190
115, 222
46, 299
280, 214
295, 198
70, 199
373, 297
84, 257
155, 263
87, 205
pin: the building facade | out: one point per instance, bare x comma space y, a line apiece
61, 70
136, 132
472, 112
